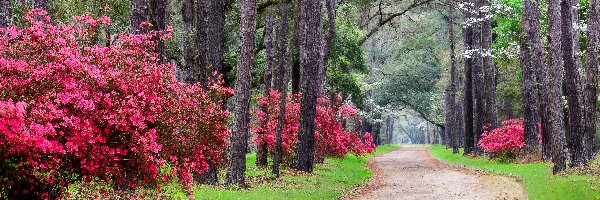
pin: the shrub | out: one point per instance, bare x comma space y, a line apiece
331, 139
72, 109
505, 141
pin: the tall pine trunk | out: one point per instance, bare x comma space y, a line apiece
239, 139
468, 90
310, 61
591, 88
216, 37
478, 79
202, 21
554, 91
158, 16
189, 73
528, 83
538, 61
452, 137
328, 42
489, 69
573, 83
295, 42
262, 151
281, 85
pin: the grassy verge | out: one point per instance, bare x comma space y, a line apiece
329, 181
537, 177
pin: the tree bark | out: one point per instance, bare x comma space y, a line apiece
216, 37
448, 121
189, 73
139, 13
478, 79
468, 90
573, 83
202, 11
528, 83
158, 14
554, 91
239, 139
262, 150
5, 13
281, 85
591, 88
295, 42
377, 129
452, 137
489, 68
537, 60
389, 129
310, 60
330, 4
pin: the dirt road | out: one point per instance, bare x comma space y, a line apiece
411, 173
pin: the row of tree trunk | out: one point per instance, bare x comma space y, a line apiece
567, 132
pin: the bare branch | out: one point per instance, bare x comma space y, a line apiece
389, 18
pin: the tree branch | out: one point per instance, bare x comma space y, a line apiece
389, 18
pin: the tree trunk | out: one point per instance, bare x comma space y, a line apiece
491, 117
452, 137
573, 82
330, 4
5, 13
189, 73
262, 150
448, 121
139, 13
591, 88
295, 42
310, 60
239, 139
281, 85
478, 80
528, 84
554, 91
377, 129
202, 10
537, 60
468, 90
389, 129
216, 37
158, 14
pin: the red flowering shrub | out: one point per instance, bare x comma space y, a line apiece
265, 125
331, 139
70, 109
504, 140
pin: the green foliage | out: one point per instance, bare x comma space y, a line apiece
346, 61
537, 177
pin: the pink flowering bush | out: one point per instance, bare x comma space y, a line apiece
503, 142
72, 109
331, 139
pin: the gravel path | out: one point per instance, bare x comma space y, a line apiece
411, 173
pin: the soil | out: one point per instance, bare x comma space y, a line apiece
411, 173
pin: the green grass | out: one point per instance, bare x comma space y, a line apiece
537, 177
329, 181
